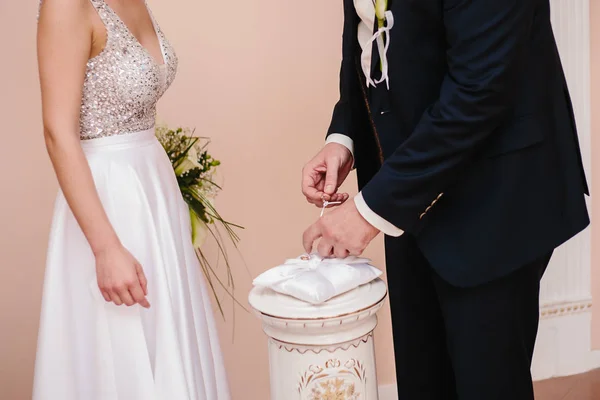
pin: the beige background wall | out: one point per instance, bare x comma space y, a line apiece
259, 77
595, 81
26, 186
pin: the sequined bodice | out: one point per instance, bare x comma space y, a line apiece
124, 82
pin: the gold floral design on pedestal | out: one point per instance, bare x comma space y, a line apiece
334, 389
334, 381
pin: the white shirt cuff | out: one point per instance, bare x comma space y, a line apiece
374, 219
344, 140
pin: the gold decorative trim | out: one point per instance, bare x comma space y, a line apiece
568, 308
303, 349
378, 303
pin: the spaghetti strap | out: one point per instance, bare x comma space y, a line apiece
97, 3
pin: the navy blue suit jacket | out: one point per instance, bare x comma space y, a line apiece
474, 148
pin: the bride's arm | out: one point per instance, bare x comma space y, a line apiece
64, 46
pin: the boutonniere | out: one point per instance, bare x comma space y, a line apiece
380, 9
385, 22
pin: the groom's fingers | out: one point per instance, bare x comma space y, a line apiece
310, 235
331, 176
325, 249
316, 196
338, 197
310, 183
340, 252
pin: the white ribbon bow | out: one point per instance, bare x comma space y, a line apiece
304, 263
382, 46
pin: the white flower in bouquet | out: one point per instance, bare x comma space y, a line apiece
200, 229
188, 163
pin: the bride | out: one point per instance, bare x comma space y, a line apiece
125, 313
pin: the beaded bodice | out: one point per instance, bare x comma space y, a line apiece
124, 82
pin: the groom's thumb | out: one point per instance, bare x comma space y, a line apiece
331, 177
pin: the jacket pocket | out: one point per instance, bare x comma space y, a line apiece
520, 133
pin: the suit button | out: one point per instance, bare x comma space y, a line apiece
437, 198
431, 205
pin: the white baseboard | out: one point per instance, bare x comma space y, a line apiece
388, 392
563, 348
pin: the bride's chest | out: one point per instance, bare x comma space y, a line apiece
124, 71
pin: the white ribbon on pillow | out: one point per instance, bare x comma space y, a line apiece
315, 279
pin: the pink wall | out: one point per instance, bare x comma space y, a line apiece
27, 191
261, 81
595, 90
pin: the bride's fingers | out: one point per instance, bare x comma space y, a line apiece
114, 297
106, 296
142, 278
126, 297
138, 296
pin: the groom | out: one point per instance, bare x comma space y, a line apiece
457, 117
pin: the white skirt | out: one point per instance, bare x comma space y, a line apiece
89, 349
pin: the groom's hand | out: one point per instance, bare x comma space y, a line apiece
323, 175
343, 232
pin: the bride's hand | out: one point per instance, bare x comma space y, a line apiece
121, 278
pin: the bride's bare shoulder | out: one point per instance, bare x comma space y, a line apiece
64, 11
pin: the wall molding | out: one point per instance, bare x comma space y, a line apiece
566, 308
564, 346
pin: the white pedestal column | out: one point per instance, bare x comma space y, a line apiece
321, 352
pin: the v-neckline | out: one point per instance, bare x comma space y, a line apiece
130, 33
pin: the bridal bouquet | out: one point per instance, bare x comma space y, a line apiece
194, 168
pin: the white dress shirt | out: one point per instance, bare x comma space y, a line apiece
366, 11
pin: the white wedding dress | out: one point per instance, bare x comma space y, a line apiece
89, 349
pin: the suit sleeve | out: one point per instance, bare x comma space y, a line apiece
344, 112
486, 47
